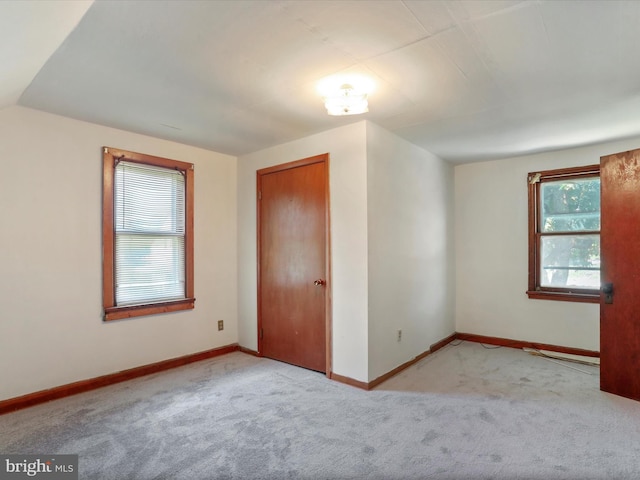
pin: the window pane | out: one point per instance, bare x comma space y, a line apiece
570, 205
149, 268
148, 199
149, 222
570, 261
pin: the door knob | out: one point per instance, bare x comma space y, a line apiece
607, 289
319, 282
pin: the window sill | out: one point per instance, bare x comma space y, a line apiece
119, 313
564, 296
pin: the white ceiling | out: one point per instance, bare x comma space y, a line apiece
466, 80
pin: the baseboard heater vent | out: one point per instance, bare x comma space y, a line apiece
564, 356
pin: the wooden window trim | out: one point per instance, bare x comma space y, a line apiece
111, 310
535, 291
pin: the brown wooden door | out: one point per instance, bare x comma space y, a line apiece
292, 262
620, 253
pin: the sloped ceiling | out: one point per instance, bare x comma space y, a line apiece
466, 80
29, 33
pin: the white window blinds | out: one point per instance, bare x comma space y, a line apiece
149, 218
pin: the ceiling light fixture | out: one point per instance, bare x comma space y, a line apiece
347, 101
346, 96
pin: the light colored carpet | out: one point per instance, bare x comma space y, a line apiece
464, 412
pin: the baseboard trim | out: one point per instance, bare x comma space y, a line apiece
43, 396
443, 343
382, 378
470, 337
506, 342
349, 381
248, 351
435, 347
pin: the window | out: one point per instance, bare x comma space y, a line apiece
564, 234
147, 230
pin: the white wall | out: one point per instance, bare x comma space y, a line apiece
348, 203
491, 253
51, 328
391, 216
411, 264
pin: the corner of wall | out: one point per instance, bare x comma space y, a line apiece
410, 253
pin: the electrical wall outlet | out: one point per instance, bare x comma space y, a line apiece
220, 324
399, 335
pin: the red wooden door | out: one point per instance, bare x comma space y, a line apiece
292, 262
620, 253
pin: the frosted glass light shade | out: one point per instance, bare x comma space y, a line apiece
346, 102
345, 95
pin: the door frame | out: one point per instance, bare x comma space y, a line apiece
322, 158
